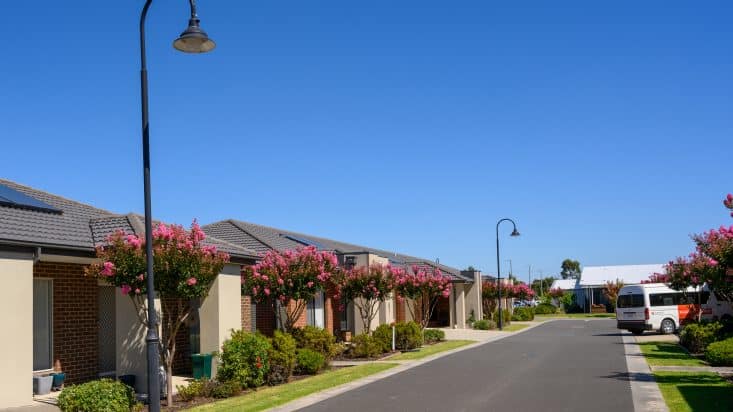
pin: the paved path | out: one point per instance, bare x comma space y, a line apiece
566, 365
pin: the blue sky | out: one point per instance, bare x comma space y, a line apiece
604, 130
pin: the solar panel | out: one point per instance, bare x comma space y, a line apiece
306, 242
13, 198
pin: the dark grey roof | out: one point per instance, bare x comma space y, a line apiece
79, 226
264, 238
68, 229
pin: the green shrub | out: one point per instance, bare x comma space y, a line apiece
282, 355
523, 314
433, 335
191, 391
720, 353
103, 395
207, 388
545, 309
408, 335
244, 359
506, 314
383, 336
221, 390
484, 324
367, 346
697, 336
316, 339
310, 361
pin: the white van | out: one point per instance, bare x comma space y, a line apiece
654, 306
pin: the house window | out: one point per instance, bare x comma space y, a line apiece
42, 324
314, 311
349, 262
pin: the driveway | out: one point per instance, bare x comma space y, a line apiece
563, 365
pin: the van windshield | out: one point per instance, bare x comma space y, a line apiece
630, 301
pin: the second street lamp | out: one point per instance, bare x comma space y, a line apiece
192, 40
498, 265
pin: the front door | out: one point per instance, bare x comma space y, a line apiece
106, 333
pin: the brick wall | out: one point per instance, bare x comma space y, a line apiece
75, 311
182, 357
246, 313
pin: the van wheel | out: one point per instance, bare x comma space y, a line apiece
667, 326
637, 331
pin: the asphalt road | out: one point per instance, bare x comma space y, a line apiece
565, 365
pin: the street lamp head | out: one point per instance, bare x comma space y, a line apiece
193, 39
515, 232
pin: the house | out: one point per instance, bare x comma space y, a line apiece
588, 288
323, 311
52, 311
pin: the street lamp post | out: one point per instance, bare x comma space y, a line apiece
192, 40
498, 265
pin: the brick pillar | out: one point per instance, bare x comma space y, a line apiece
400, 309
246, 313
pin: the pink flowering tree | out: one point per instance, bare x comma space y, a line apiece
490, 296
366, 288
289, 280
728, 203
184, 269
422, 287
610, 291
711, 263
522, 292
556, 294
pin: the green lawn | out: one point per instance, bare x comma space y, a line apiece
513, 327
269, 397
575, 316
667, 354
695, 392
431, 350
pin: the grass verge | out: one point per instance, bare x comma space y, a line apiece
513, 327
667, 354
269, 397
431, 350
695, 392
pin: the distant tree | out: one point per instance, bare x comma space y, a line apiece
570, 269
471, 269
542, 285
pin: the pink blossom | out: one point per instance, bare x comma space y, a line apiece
267, 291
108, 269
134, 241
137, 291
310, 284
191, 281
125, 289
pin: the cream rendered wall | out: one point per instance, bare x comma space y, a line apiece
473, 297
460, 321
221, 311
16, 316
130, 340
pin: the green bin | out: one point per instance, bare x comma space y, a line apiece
201, 364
